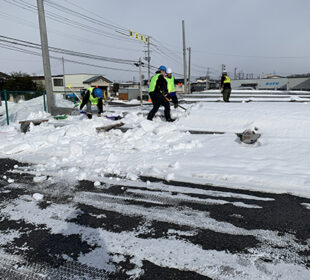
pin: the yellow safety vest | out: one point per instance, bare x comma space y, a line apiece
170, 84
227, 80
93, 100
153, 82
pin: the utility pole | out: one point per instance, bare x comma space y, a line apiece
148, 62
235, 73
139, 64
207, 77
189, 69
46, 58
184, 57
147, 57
140, 77
63, 72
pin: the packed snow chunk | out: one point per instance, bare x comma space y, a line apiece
55, 136
175, 165
112, 158
39, 179
15, 166
18, 148
248, 136
187, 146
10, 180
76, 150
38, 196
170, 177
38, 115
165, 129
74, 131
97, 184
147, 125
132, 176
82, 176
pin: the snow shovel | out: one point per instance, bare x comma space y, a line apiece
182, 107
178, 104
69, 87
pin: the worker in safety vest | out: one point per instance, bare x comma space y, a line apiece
225, 86
93, 96
158, 91
171, 88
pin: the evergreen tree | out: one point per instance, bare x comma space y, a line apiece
20, 81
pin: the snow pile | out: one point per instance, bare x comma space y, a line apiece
31, 109
278, 162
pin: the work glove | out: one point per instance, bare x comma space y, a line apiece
175, 105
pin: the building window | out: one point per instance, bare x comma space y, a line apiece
58, 82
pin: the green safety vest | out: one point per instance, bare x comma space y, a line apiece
170, 84
153, 82
227, 80
93, 100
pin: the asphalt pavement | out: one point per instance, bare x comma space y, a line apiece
265, 227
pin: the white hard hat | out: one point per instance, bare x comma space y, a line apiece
169, 71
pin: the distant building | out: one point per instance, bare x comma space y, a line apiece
204, 83
77, 82
179, 85
100, 81
129, 84
274, 83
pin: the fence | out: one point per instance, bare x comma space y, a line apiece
17, 95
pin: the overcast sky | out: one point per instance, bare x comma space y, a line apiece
255, 36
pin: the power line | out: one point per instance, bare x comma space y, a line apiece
15, 41
25, 51
64, 20
83, 16
24, 22
254, 56
158, 47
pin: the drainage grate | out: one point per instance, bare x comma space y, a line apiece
15, 269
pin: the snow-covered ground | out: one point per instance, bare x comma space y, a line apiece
88, 201
73, 150
238, 95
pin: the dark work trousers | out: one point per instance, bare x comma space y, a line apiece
174, 100
88, 105
226, 94
157, 100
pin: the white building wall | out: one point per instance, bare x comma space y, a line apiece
75, 80
272, 84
